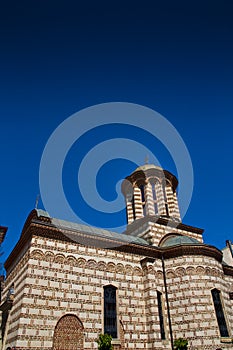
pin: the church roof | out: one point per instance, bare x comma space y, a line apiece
148, 166
90, 230
40, 223
178, 240
148, 171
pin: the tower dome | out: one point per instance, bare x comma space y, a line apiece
151, 191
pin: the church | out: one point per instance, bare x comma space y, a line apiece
66, 283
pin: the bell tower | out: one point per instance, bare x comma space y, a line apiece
152, 206
151, 191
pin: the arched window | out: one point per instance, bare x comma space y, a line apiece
216, 295
110, 311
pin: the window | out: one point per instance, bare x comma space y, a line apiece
133, 207
143, 199
161, 318
165, 199
154, 198
110, 312
219, 313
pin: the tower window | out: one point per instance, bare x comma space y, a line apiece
143, 199
110, 312
161, 318
133, 207
165, 199
154, 198
219, 313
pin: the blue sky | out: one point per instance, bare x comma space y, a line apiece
173, 57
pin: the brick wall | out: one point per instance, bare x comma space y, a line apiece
55, 278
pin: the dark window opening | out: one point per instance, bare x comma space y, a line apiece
143, 199
144, 209
161, 318
165, 200
110, 313
154, 198
142, 193
166, 207
219, 313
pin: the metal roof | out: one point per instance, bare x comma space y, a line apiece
178, 240
91, 230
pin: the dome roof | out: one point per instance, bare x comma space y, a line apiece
178, 240
148, 166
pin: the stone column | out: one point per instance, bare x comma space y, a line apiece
160, 198
149, 199
129, 208
138, 203
170, 200
176, 207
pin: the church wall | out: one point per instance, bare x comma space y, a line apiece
190, 280
153, 282
159, 232
67, 278
156, 232
17, 278
55, 278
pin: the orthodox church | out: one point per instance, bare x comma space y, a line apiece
66, 283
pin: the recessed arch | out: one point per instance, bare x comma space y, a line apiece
168, 235
68, 333
172, 239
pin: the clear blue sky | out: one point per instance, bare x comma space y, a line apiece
58, 57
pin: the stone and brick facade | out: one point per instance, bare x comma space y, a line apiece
162, 273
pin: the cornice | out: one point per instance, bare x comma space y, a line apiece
35, 226
190, 249
149, 173
174, 251
20, 247
228, 270
164, 221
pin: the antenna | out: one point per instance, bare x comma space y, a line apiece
37, 201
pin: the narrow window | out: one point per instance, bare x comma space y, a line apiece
219, 313
110, 313
133, 207
161, 318
153, 191
143, 199
165, 200
142, 193
154, 198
